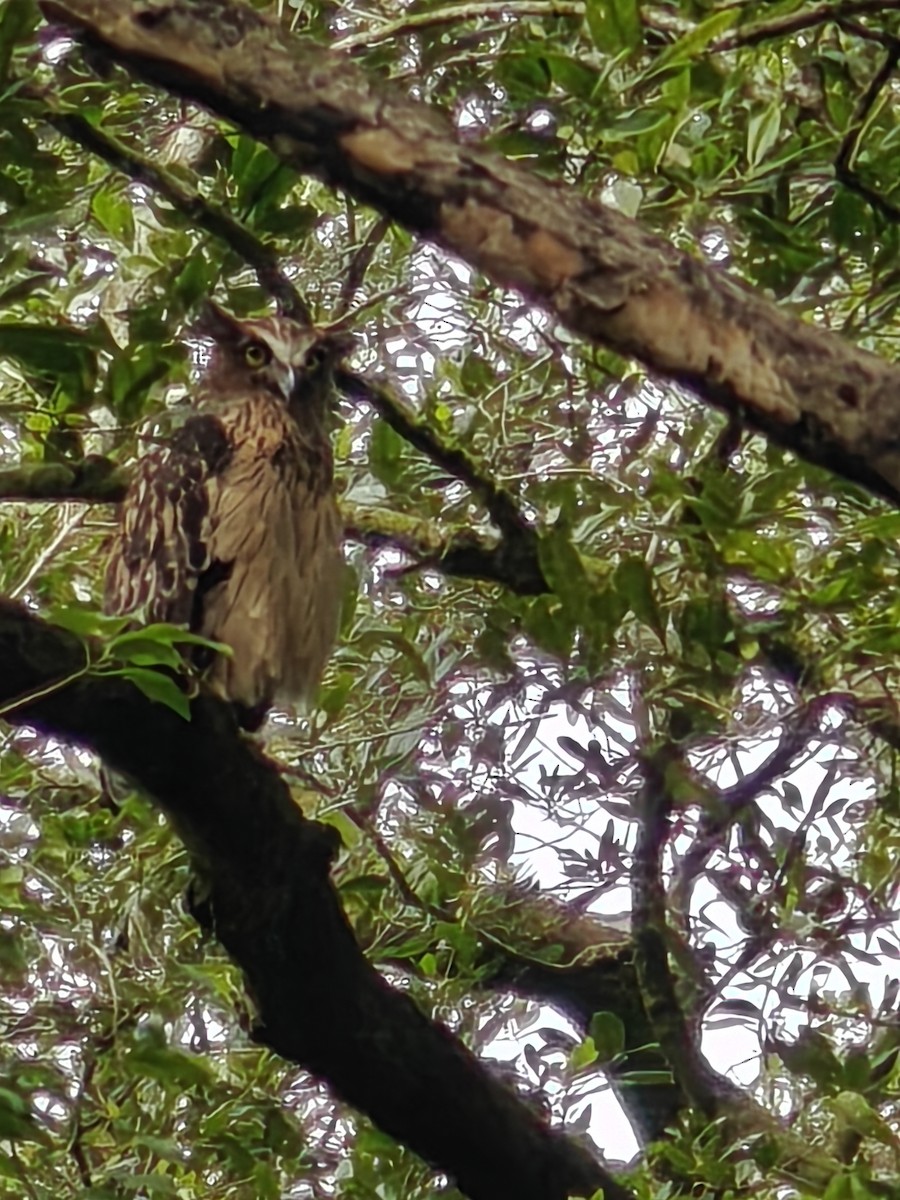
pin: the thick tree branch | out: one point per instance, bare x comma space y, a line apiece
270, 902
462, 555
96, 480
601, 273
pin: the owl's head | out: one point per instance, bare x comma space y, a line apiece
292, 360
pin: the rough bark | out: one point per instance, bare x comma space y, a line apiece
269, 900
601, 273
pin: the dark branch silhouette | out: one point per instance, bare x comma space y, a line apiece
267, 896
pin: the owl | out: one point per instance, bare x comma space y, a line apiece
230, 526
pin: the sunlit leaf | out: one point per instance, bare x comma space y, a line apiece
614, 25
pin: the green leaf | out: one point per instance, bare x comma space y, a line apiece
13, 957
692, 45
413, 947
293, 220
194, 279
637, 1078
476, 374
614, 25
50, 351
259, 174
564, 571
132, 373
811, 1054
16, 1121
166, 1148
172, 635
584, 1055
550, 625
608, 1035
386, 449
87, 622
160, 688
634, 124
762, 133
144, 652
633, 580
571, 75
332, 699
17, 18
523, 75
847, 216
114, 212
169, 1067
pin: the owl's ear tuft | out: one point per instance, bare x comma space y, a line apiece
331, 347
216, 322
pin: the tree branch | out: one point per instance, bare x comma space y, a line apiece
600, 272
797, 22
712, 1094
460, 554
95, 480
270, 902
202, 213
513, 563
456, 14
849, 148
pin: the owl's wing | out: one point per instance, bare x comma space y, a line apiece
164, 558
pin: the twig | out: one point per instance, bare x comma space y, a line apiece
797, 22
408, 895
732, 802
203, 213
359, 265
456, 14
499, 503
263, 259
843, 164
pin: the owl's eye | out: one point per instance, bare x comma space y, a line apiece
257, 354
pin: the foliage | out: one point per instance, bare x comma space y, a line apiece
706, 593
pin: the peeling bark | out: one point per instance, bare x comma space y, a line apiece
600, 272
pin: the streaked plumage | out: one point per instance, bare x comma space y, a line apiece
231, 528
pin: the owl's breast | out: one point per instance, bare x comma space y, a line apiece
278, 526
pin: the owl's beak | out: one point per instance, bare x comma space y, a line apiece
285, 378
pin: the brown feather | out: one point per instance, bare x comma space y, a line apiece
231, 527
